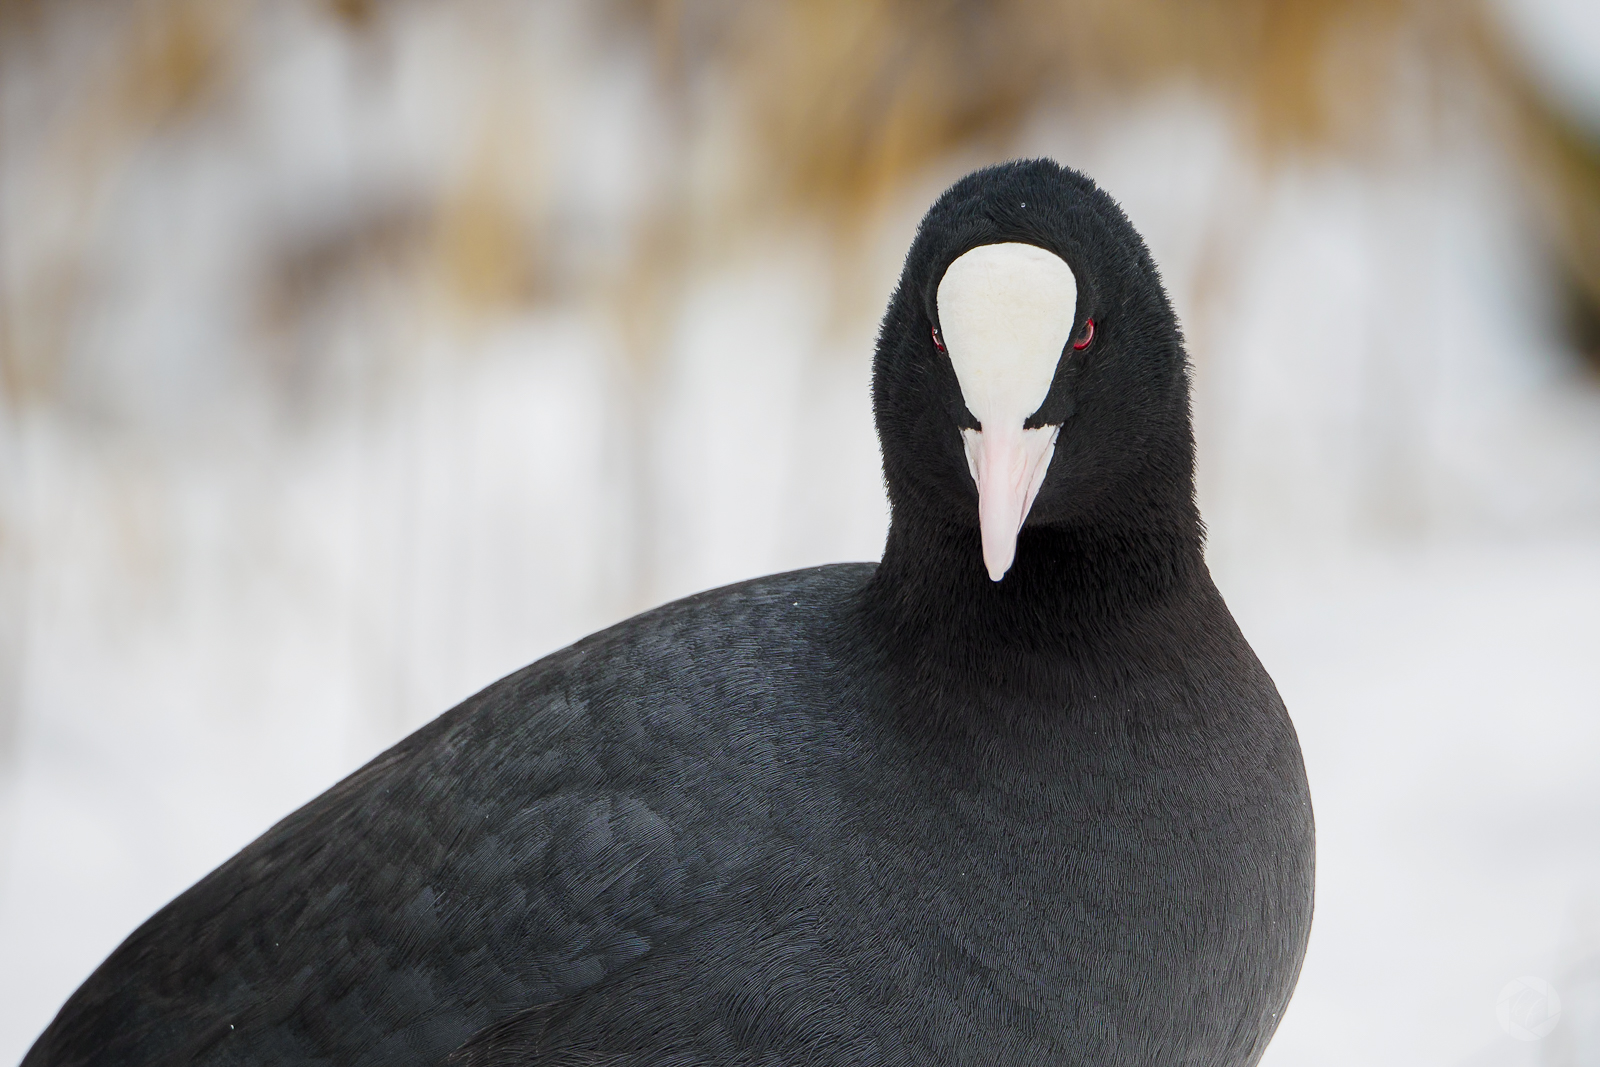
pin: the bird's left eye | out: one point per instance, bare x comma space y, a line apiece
1088, 335
938, 342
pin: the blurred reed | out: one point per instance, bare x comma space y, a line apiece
838, 104
773, 116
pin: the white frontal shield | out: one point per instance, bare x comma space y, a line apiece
1006, 313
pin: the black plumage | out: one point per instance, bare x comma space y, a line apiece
891, 814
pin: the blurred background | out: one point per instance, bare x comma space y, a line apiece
354, 353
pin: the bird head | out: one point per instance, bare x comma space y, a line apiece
1030, 371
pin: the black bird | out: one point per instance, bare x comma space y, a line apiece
1003, 798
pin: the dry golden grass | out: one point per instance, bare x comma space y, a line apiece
169, 59
850, 97
839, 104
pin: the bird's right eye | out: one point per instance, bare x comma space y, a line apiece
938, 342
1088, 336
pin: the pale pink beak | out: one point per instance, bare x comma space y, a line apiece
1008, 464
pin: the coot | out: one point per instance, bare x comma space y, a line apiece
1018, 794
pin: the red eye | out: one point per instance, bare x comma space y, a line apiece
1088, 336
938, 342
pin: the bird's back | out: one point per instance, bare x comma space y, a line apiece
563, 824
699, 837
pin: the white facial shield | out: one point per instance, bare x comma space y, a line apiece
1006, 313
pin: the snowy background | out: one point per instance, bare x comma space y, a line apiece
353, 355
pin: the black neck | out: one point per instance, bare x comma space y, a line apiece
1078, 606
